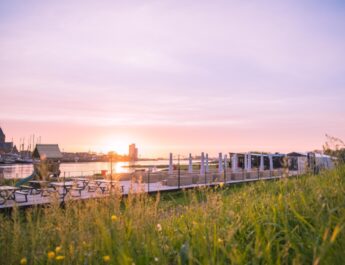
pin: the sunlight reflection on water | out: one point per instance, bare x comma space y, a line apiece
78, 169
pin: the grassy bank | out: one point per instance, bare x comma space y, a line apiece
295, 221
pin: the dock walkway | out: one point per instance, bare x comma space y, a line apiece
124, 188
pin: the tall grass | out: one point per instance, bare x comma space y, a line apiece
290, 221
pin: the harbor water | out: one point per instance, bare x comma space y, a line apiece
84, 168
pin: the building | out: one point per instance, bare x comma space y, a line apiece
133, 152
49, 156
47, 152
6, 147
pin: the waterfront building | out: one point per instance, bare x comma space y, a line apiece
6, 147
133, 152
49, 156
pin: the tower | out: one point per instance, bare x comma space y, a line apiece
133, 152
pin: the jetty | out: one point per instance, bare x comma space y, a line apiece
46, 185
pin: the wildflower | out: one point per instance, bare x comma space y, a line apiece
60, 257
23, 261
221, 184
156, 259
220, 241
113, 218
159, 227
106, 258
51, 254
58, 249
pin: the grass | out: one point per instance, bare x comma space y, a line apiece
290, 221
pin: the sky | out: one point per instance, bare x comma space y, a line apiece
173, 76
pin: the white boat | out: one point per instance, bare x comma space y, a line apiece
9, 158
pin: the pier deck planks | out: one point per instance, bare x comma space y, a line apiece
128, 187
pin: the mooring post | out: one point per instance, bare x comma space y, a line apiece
179, 172
190, 168
202, 164
245, 162
271, 163
262, 166
244, 165
234, 163
225, 167
249, 164
205, 178
220, 163
148, 180
170, 163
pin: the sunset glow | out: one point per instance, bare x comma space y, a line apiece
172, 132
173, 77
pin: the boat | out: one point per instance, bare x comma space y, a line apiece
9, 158
24, 160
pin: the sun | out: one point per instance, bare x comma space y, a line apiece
117, 143
120, 147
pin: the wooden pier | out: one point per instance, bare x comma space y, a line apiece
88, 188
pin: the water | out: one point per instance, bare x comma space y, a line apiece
79, 169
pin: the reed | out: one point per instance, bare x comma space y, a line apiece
289, 221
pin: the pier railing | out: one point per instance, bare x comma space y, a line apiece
95, 185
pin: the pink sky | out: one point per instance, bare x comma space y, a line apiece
185, 77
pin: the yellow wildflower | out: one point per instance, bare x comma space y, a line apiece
221, 184
113, 218
51, 254
58, 249
23, 261
220, 241
106, 258
159, 227
60, 257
